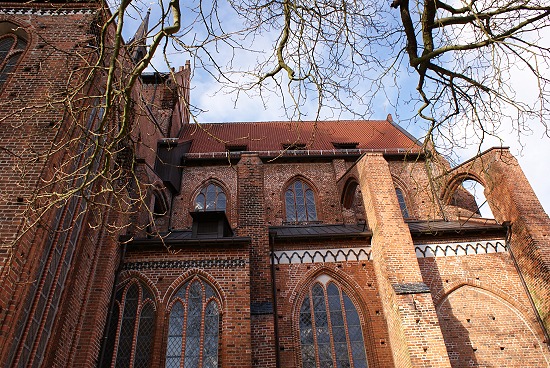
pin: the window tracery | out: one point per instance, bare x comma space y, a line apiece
131, 329
11, 49
193, 328
330, 329
300, 202
211, 198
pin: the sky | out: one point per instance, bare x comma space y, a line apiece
530, 148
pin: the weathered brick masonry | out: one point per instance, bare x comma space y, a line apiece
254, 245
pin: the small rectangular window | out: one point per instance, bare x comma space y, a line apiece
236, 147
345, 145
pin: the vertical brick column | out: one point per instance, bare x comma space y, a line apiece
511, 198
415, 335
252, 223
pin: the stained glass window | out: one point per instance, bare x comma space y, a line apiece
402, 203
300, 202
330, 330
131, 328
211, 198
11, 49
193, 327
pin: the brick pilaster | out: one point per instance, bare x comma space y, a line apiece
415, 335
252, 223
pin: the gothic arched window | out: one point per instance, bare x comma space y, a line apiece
193, 328
300, 202
330, 329
402, 203
11, 49
211, 198
130, 336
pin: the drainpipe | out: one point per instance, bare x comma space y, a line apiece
275, 314
508, 225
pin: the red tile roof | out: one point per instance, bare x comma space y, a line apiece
271, 136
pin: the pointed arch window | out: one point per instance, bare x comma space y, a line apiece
193, 327
11, 49
402, 203
300, 202
131, 328
211, 198
330, 329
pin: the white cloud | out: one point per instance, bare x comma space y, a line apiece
531, 150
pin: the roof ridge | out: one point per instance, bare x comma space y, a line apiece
298, 122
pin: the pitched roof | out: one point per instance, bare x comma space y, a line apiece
440, 227
320, 135
299, 232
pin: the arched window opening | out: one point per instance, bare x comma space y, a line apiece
130, 333
160, 206
12, 46
330, 329
349, 193
300, 202
402, 202
193, 327
470, 196
211, 198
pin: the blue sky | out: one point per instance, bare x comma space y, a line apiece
531, 147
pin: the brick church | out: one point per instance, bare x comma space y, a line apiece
266, 244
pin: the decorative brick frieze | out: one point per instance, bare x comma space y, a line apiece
196, 263
322, 255
46, 12
460, 249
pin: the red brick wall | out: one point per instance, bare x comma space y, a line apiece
359, 282
512, 199
194, 178
40, 78
231, 282
485, 315
58, 48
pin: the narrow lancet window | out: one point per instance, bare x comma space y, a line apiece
11, 49
300, 202
402, 203
193, 329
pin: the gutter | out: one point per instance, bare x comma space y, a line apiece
274, 290
237, 241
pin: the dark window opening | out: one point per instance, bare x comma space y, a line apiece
345, 145
236, 148
160, 207
402, 203
210, 224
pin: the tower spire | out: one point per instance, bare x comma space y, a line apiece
138, 46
